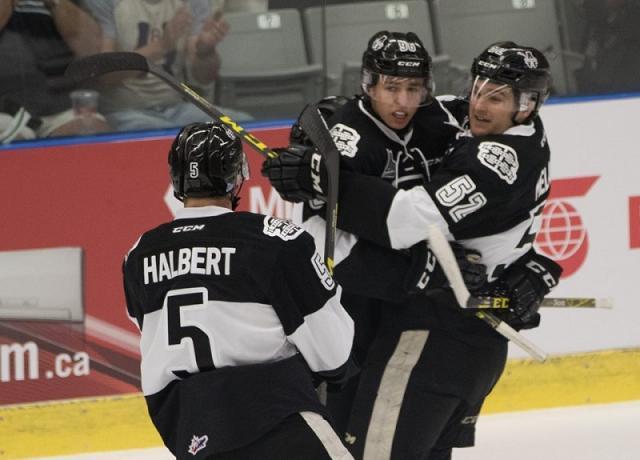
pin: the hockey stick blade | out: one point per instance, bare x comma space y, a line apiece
96, 65
101, 64
314, 126
441, 248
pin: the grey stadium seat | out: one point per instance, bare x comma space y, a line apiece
348, 28
265, 70
468, 26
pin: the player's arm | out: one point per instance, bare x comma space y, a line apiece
392, 275
296, 172
307, 301
128, 277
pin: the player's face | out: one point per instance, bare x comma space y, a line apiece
396, 100
491, 108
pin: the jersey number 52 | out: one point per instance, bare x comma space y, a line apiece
459, 195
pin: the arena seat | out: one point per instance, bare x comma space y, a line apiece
265, 70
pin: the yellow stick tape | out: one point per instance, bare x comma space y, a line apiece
122, 422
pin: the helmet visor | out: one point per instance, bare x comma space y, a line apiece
403, 92
499, 94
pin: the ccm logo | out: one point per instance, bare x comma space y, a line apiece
488, 65
408, 64
188, 228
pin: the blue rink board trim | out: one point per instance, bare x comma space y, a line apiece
138, 135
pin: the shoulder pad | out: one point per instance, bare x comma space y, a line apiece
346, 139
500, 158
280, 228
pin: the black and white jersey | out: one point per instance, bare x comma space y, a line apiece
368, 146
224, 299
403, 158
488, 194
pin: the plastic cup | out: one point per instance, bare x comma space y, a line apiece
84, 102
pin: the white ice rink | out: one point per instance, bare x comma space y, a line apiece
596, 432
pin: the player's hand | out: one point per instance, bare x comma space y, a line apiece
298, 173
526, 283
473, 272
425, 272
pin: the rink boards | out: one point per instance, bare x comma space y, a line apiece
96, 197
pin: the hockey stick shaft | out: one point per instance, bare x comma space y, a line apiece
104, 63
100, 64
501, 303
315, 127
441, 248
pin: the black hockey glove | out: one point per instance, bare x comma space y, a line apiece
297, 173
525, 283
425, 273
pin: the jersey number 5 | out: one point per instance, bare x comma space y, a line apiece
179, 302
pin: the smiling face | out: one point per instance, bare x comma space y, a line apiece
396, 100
492, 107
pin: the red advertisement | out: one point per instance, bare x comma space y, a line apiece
634, 222
563, 235
69, 215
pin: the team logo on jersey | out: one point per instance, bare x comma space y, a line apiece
562, 235
349, 438
406, 170
283, 229
322, 271
346, 139
197, 444
499, 158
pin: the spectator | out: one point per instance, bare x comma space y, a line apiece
181, 36
38, 38
611, 47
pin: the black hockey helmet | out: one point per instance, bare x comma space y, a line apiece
395, 54
207, 160
327, 107
525, 69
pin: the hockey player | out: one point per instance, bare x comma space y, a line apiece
442, 389
376, 136
238, 316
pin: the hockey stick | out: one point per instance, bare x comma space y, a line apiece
501, 303
104, 63
315, 127
100, 64
441, 248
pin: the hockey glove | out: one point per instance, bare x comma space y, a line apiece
297, 173
425, 273
525, 283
